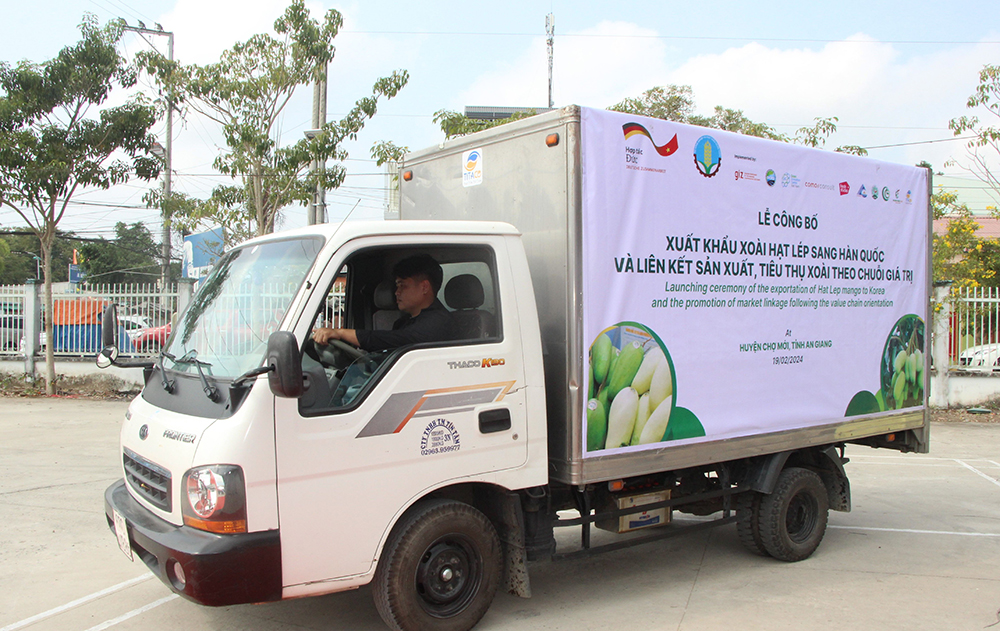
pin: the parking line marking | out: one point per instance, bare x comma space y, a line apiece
133, 613
978, 472
919, 532
76, 603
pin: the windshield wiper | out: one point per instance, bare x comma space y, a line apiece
190, 358
250, 374
168, 385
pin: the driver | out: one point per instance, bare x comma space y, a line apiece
424, 319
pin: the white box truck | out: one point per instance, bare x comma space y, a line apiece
648, 318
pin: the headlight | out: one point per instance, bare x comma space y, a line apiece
216, 499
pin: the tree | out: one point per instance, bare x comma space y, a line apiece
246, 93
455, 124
960, 255
131, 258
984, 146
50, 147
18, 252
676, 103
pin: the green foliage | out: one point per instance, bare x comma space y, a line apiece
984, 146
959, 255
454, 124
50, 146
131, 258
246, 93
676, 103
17, 263
386, 151
672, 103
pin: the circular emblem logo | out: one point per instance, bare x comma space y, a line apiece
470, 164
770, 177
707, 156
143, 432
875, 192
885, 193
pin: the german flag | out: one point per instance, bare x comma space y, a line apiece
631, 129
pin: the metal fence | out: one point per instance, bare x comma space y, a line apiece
974, 330
144, 312
144, 317
11, 318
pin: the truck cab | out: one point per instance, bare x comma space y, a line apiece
224, 478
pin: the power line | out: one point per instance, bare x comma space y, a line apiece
920, 142
675, 37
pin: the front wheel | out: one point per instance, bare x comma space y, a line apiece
793, 518
439, 570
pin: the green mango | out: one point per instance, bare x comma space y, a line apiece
600, 357
590, 381
625, 368
615, 353
898, 387
899, 361
597, 425
602, 396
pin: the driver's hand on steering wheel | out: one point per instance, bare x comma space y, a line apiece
322, 335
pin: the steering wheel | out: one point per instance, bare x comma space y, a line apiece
335, 353
341, 345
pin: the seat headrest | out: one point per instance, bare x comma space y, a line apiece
385, 295
464, 292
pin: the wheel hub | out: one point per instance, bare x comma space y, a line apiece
442, 576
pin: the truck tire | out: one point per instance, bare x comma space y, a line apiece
793, 518
748, 522
439, 570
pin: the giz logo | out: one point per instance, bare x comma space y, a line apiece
489, 363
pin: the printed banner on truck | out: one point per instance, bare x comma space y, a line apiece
736, 286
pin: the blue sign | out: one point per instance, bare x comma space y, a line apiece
201, 251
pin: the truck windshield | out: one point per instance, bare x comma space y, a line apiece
240, 304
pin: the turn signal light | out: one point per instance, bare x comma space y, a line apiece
216, 499
407, 175
552, 140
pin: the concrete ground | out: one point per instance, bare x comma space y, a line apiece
921, 550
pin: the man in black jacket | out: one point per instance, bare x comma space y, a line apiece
424, 319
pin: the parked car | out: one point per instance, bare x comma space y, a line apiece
984, 357
151, 339
11, 331
134, 325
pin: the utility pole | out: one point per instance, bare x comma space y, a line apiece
167, 155
550, 32
316, 212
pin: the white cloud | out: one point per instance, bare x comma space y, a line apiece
879, 96
596, 67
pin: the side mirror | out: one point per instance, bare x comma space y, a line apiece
283, 353
107, 357
109, 326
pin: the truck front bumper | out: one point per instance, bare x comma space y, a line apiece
217, 569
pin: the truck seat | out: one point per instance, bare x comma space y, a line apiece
385, 303
464, 294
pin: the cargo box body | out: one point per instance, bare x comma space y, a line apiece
784, 290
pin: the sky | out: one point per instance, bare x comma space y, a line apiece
894, 73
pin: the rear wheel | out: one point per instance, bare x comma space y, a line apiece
748, 522
439, 570
793, 518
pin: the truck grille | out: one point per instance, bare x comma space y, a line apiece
150, 481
